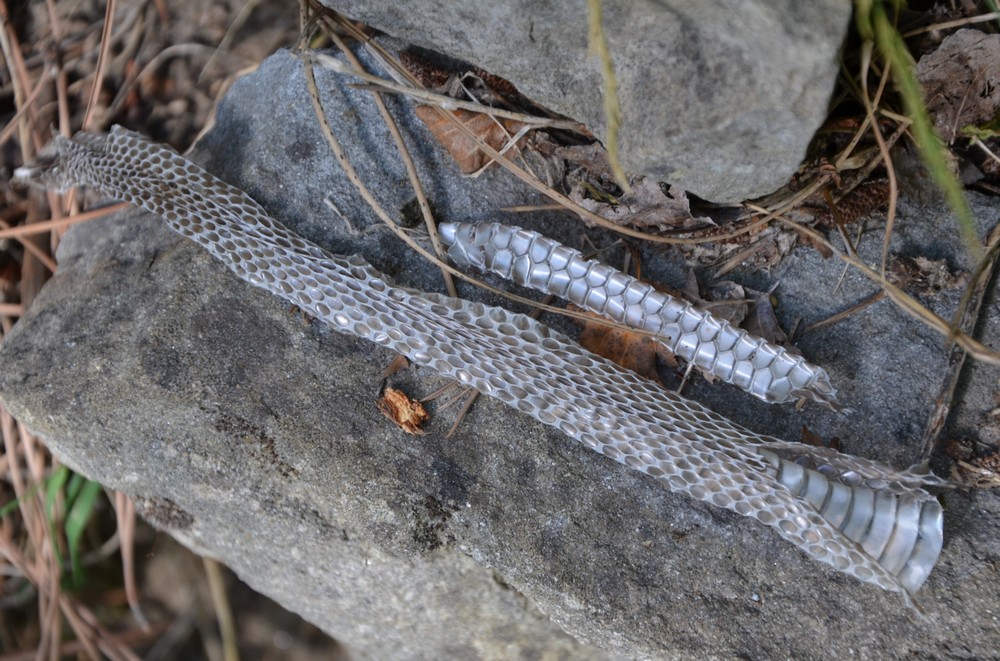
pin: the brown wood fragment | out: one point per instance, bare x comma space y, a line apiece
407, 413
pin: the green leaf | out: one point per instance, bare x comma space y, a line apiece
990, 129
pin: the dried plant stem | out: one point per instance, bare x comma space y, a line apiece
411, 170
441, 100
612, 106
870, 106
844, 314
965, 322
904, 301
125, 514
223, 612
947, 25
59, 223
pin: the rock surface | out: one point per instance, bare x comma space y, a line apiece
719, 98
251, 434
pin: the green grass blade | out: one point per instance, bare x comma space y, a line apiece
79, 516
53, 486
932, 150
14, 504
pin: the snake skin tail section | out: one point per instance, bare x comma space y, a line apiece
765, 370
902, 532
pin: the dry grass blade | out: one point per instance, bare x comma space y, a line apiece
870, 105
411, 170
612, 107
223, 612
844, 314
125, 513
947, 25
102, 61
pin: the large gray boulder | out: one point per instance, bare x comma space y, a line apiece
718, 97
251, 434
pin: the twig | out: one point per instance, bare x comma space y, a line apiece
844, 314
440, 100
102, 58
973, 296
47, 225
411, 170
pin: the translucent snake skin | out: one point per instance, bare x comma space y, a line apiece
863, 518
765, 370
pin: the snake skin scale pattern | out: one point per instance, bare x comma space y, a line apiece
863, 518
765, 370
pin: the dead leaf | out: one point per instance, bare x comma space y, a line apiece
407, 413
496, 132
650, 204
961, 81
762, 322
631, 350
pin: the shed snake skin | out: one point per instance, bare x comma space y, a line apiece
862, 517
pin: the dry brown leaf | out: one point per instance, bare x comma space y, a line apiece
631, 350
649, 205
496, 132
762, 322
407, 413
961, 81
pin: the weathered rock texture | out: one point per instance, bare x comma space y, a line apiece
720, 98
251, 434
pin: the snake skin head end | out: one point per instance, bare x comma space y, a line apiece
58, 166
